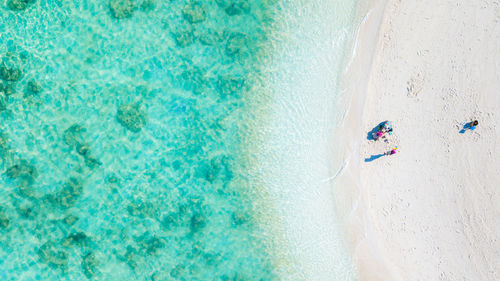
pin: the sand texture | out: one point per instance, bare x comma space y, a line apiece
435, 206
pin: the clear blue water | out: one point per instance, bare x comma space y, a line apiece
122, 140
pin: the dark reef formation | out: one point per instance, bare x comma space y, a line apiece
68, 195
10, 68
32, 88
7, 88
184, 36
73, 136
70, 219
23, 171
50, 253
4, 220
236, 43
76, 239
3, 102
19, 5
121, 9
230, 85
234, 7
4, 144
194, 12
132, 117
89, 265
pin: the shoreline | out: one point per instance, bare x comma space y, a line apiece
431, 212
349, 192
294, 157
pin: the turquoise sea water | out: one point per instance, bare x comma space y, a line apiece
133, 139
121, 140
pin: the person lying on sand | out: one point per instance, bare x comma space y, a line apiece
391, 152
473, 124
469, 126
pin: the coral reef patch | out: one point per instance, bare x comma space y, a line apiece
132, 117
121, 9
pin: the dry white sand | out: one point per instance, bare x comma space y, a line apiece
432, 211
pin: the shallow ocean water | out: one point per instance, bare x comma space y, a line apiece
123, 140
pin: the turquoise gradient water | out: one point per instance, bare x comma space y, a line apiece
123, 140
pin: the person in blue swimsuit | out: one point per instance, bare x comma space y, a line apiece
473, 124
469, 126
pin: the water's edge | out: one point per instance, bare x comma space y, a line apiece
350, 193
294, 159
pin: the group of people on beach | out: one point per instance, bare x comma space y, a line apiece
384, 129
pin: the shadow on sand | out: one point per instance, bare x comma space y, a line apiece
374, 157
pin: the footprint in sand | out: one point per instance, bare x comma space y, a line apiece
415, 85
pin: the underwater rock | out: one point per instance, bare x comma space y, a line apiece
212, 259
19, 5
230, 85
131, 117
92, 162
28, 212
198, 222
148, 5
32, 88
212, 37
89, 265
236, 43
71, 191
4, 220
70, 220
171, 220
3, 102
217, 168
83, 149
73, 135
7, 88
130, 256
237, 7
69, 194
121, 9
238, 218
178, 271
222, 3
76, 239
234, 7
25, 189
24, 171
10, 68
193, 79
149, 244
194, 12
51, 255
4, 143
142, 209
184, 36
156, 277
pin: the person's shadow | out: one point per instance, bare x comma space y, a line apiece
374, 131
374, 157
466, 127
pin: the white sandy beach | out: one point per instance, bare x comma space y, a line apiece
432, 211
